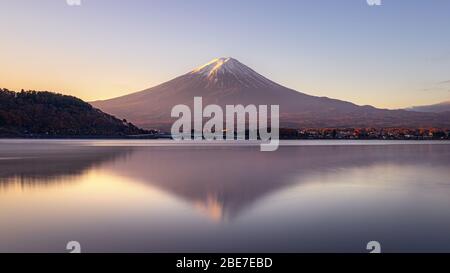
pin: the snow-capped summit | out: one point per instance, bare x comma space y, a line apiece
218, 64
227, 71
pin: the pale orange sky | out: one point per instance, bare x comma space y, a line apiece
382, 56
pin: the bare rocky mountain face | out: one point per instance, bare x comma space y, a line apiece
225, 81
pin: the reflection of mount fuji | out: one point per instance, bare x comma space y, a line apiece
225, 182
221, 182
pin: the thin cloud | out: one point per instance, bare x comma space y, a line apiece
434, 89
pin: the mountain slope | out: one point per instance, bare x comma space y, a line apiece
227, 81
48, 114
436, 108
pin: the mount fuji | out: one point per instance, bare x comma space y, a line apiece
225, 81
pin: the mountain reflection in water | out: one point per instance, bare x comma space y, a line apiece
225, 184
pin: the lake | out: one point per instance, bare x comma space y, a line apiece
154, 196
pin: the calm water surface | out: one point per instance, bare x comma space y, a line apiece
151, 196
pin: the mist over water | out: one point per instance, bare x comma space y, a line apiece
143, 196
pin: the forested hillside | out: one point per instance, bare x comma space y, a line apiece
33, 113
